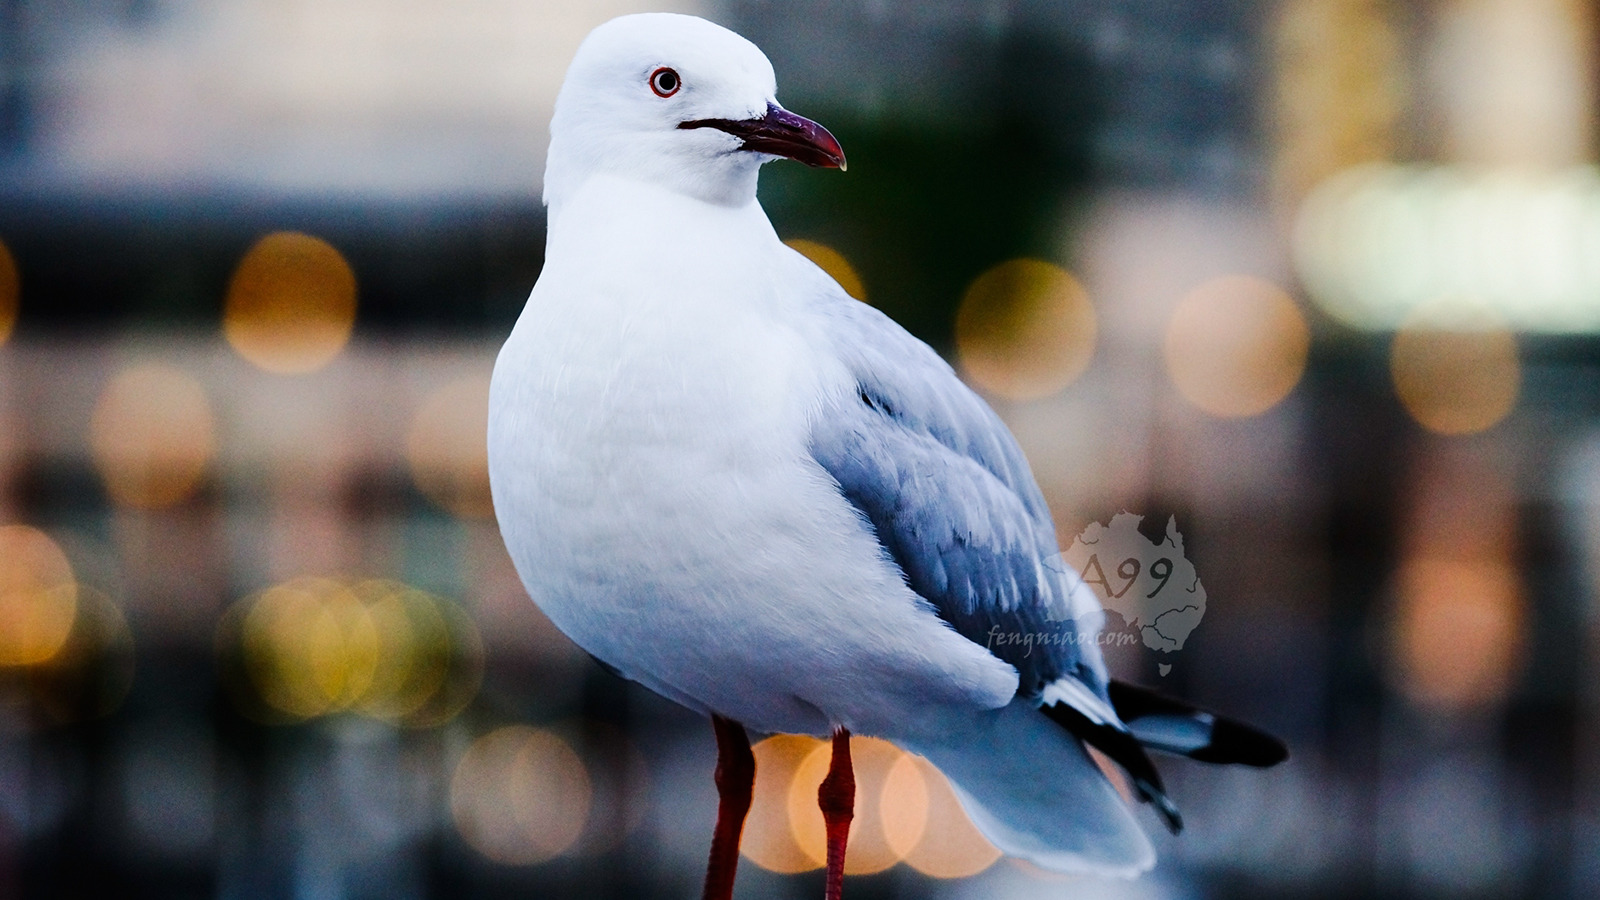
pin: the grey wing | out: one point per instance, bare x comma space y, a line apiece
950, 496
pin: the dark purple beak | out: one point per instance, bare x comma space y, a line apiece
781, 133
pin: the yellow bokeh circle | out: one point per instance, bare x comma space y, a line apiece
311, 647
291, 305
318, 646
1025, 330
151, 436
927, 827
1455, 382
1458, 632
834, 263
1236, 346
92, 672
38, 596
868, 850
413, 644
904, 803
905, 811
769, 841
520, 795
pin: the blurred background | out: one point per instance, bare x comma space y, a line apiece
1316, 280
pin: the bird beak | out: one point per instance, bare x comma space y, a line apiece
781, 133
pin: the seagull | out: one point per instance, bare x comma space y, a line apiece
729, 481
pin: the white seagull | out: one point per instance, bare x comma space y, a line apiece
731, 482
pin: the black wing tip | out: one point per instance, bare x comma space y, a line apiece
1231, 742
1240, 744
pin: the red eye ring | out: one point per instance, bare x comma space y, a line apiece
665, 82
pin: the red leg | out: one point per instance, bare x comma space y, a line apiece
736, 778
837, 797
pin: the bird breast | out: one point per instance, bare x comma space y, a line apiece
648, 423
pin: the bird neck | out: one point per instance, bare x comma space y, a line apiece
629, 224
724, 179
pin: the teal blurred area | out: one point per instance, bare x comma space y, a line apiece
1315, 283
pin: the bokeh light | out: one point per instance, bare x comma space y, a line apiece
10, 292
291, 304
869, 849
1455, 382
1514, 81
834, 263
947, 845
443, 651
38, 596
311, 647
1025, 330
1236, 346
1458, 631
413, 655
316, 646
1375, 243
621, 777
92, 672
520, 795
903, 805
1458, 628
447, 448
905, 811
768, 840
152, 436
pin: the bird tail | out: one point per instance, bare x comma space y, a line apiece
1140, 718
1033, 791
1028, 783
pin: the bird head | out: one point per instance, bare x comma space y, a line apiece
679, 102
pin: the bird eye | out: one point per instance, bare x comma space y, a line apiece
665, 82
